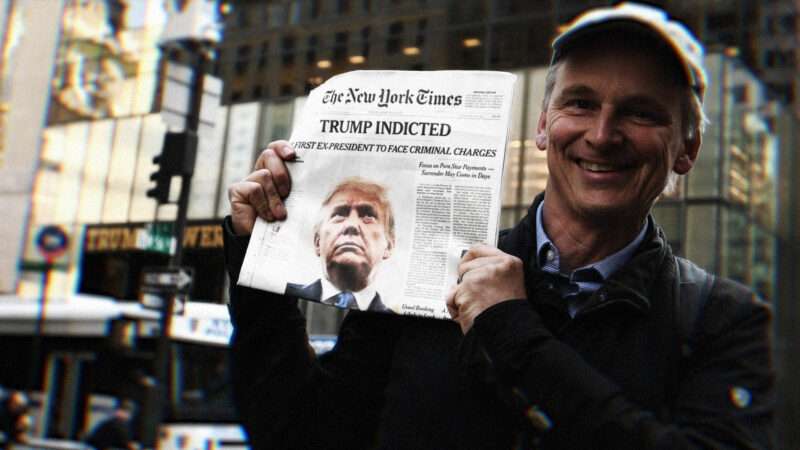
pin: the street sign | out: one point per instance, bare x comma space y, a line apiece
157, 237
52, 242
167, 279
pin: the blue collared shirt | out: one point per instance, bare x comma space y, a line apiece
586, 279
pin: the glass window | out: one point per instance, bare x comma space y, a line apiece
702, 229
295, 11
277, 15
535, 178
395, 38
152, 140
287, 51
365, 33
466, 47
340, 46
311, 49
242, 59
511, 170
764, 263
239, 148
511, 175
98, 153
342, 6
120, 176
71, 168
315, 8
263, 55
422, 30
201, 384
736, 248
669, 216
243, 17
464, 11
207, 170
276, 122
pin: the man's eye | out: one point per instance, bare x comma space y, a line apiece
369, 219
580, 103
644, 115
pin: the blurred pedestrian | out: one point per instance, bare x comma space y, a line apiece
114, 432
14, 419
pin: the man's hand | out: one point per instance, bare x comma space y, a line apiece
262, 192
487, 276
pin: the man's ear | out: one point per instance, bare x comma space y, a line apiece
316, 242
387, 252
541, 131
686, 160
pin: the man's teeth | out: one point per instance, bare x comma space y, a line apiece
594, 167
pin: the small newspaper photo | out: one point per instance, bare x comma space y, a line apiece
397, 174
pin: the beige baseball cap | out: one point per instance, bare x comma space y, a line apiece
686, 48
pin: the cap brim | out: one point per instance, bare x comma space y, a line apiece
563, 42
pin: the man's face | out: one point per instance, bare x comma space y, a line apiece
352, 238
612, 131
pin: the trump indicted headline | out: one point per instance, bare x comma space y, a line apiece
385, 127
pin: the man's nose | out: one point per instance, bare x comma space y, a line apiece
352, 224
604, 131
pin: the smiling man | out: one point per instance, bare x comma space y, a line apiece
581, 330
353, 235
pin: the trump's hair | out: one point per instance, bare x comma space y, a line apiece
369, 189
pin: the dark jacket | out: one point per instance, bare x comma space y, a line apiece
613, 377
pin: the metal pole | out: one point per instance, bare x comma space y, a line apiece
192, 126
36, 353
161, 402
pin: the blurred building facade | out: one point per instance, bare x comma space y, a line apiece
27, 54
85, 132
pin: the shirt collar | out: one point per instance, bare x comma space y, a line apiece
363, 297
605, 267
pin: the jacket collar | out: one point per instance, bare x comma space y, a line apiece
630, 285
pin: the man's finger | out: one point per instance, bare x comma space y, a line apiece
268, 202
452, 308
280, 176
280, 150
466, 266
480, 250
243, 214
276, 207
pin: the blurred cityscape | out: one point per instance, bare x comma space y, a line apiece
82, 114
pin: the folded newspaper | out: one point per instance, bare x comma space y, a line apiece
397, 175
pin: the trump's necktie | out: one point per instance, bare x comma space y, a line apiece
345, 299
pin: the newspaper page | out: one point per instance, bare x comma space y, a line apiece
397, 174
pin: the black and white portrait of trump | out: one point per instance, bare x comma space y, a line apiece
353, 235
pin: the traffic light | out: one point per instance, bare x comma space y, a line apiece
161, 190
177, 158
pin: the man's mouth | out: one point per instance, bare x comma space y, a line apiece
600, 167
348, 247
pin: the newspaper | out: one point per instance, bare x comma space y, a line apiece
397, 174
